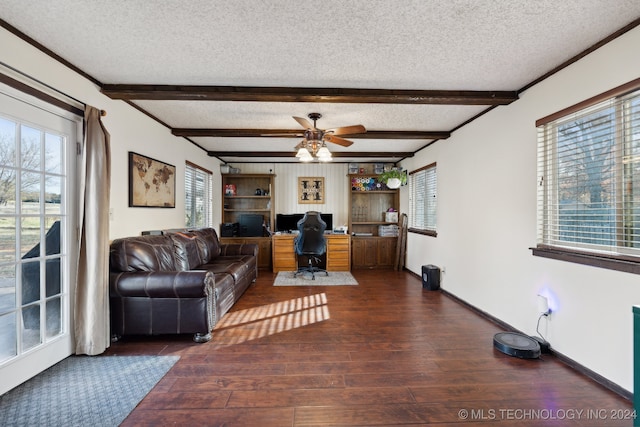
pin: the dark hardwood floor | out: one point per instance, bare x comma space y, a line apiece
385, 352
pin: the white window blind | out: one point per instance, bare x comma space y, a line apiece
589, 178
422, 199
198, 196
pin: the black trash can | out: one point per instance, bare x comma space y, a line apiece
431, 277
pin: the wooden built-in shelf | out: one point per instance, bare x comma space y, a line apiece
366, 214
245, 201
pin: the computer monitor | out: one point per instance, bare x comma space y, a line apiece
328, 218
286, 223
250, 225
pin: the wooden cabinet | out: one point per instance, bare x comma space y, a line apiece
386, 251
248, 194
364, 252
368, 202
264, 248
373, 252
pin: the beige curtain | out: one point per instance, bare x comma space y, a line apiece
91, 314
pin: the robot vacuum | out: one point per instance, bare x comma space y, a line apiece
517, 345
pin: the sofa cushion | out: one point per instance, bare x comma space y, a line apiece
208, 243
236, 265
142, 253
187, 252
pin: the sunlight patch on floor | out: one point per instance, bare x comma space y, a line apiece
271, 319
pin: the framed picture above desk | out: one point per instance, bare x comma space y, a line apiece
311, 189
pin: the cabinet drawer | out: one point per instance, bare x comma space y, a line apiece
338, 265
338, 246
284, 266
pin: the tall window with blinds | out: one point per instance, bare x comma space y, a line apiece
589, 178
423, 200
198, 196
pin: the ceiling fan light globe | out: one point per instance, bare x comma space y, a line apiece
324, 152
303, 152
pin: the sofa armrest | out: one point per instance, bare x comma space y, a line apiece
239, 249
162, 284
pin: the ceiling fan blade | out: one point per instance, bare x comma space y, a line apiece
303, 122
337, 140
347, 130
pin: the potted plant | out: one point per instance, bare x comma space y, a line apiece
393, 178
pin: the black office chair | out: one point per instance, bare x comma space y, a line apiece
311, 243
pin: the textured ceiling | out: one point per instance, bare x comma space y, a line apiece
475, 45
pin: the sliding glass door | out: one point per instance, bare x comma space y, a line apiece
37, 229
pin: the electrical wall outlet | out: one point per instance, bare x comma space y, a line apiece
543, 305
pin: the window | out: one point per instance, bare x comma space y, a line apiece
422, 200
589, 179
38, 207
198, 196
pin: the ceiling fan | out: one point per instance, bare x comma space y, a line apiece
315, 139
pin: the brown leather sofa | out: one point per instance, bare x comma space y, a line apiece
176, 283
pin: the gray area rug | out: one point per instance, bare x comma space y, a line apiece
335, 278
84, 391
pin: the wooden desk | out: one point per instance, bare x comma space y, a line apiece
338, 252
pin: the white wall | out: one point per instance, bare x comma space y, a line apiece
130, 130
487, 223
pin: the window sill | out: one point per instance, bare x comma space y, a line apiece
431, 233
627, 264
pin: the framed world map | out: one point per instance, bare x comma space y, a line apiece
152, 183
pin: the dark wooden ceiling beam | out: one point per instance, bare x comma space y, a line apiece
239, 133
266, 154
400, 134
294, 133
304, 94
